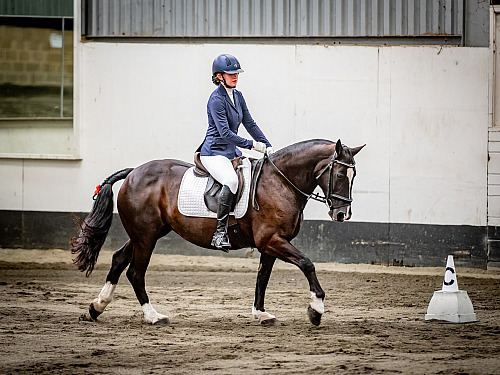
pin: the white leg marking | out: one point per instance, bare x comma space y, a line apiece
317, 304
105, 297
261, 315
150, 314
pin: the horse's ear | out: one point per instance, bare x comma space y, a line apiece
338, 147
355, 150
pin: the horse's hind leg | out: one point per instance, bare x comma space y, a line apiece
121, 259
136, 275
265, 268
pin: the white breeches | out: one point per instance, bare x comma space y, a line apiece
222, 170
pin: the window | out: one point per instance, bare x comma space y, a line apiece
36, 76
36, 79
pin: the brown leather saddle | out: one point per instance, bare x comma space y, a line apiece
213, 187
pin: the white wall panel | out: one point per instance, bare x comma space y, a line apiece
439, 135
493, 179
494, 146
11, 184
340, 94
53, 185
494, 207
494, 163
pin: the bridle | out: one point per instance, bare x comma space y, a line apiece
328, 199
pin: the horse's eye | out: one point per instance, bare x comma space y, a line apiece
340, 176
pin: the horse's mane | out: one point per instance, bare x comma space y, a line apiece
300, 146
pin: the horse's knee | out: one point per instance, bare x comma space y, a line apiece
307, 266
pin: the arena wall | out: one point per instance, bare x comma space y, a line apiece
423, 111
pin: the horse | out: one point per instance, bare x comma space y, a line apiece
283, 184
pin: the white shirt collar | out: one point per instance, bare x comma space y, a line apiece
230, 93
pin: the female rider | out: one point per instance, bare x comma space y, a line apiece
226, 110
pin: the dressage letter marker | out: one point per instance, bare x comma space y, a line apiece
450, 304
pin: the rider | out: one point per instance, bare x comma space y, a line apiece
226, 110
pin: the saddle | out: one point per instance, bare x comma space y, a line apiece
213, 187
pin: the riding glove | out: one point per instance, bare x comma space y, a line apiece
259, 146
269, 150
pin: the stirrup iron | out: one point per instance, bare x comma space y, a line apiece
221, 241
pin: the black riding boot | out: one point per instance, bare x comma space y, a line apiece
226, 201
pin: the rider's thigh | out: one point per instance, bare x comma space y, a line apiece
222, 170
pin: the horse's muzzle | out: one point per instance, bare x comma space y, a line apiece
340, 214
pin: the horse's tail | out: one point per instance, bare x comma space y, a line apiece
94, 228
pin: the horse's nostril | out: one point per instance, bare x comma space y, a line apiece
340, 216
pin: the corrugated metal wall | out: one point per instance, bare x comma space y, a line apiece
38, 8
273, 18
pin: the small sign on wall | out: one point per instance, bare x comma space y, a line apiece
56, 40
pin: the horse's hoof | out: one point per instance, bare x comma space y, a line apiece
85, 318
93, 312
270, 322
161, 322
314, 316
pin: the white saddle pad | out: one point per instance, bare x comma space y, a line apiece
190, 200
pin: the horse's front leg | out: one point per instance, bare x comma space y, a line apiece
265, 268
284, 250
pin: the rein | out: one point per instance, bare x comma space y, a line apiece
314, 196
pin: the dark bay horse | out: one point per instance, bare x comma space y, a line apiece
147, 204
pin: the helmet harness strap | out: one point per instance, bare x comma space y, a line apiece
225, 83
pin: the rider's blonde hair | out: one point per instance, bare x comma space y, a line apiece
216, 80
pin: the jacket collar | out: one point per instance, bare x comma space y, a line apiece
223, 92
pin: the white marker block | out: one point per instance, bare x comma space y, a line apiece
450, 304
454, 307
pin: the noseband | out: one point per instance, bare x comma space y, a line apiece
328, 200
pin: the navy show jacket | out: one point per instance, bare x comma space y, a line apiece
224, 119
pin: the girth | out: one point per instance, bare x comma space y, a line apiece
213, 187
